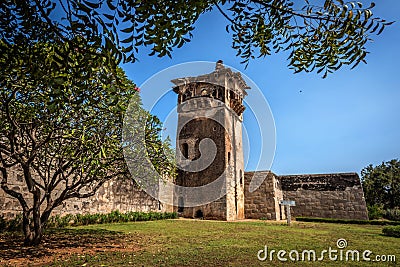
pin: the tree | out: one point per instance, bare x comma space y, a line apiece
381, 184
159, 152
61, 126
317, 37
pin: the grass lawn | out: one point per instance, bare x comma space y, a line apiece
213, 243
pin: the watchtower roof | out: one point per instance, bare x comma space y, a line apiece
219, 76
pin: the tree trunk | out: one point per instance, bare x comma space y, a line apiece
33, 230
32, 233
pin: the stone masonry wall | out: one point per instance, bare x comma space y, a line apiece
215, 210
120, 195
337, 195
263, 202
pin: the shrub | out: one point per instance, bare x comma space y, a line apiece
114, 216
54, 221
85, 219
392, 214
391, 231
68, 219
15, 224
375, 212
12, 225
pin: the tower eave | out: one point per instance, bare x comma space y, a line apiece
213, 78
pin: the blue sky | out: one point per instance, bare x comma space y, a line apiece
338, 124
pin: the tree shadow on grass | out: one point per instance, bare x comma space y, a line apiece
57, 240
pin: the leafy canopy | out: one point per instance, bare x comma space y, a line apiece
381, 184
61, 126
318, 35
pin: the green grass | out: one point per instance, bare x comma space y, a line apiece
347, 221
214, 243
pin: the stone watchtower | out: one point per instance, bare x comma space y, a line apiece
209, 144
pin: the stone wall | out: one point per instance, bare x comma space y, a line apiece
120, 195
338, 195
263, 202
319, 195
215, 210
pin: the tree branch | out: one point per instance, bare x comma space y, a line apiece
224, 14
11, 192
290, 11
48, 20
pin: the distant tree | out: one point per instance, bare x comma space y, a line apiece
160, 153
61, 126
320, 36
381, 184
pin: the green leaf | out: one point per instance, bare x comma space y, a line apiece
128, 40
90, 4
110, 4
108, 16
381, 30
129, 29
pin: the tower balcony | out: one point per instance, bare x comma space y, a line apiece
237, 106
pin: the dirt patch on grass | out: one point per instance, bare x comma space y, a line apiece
61, 244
